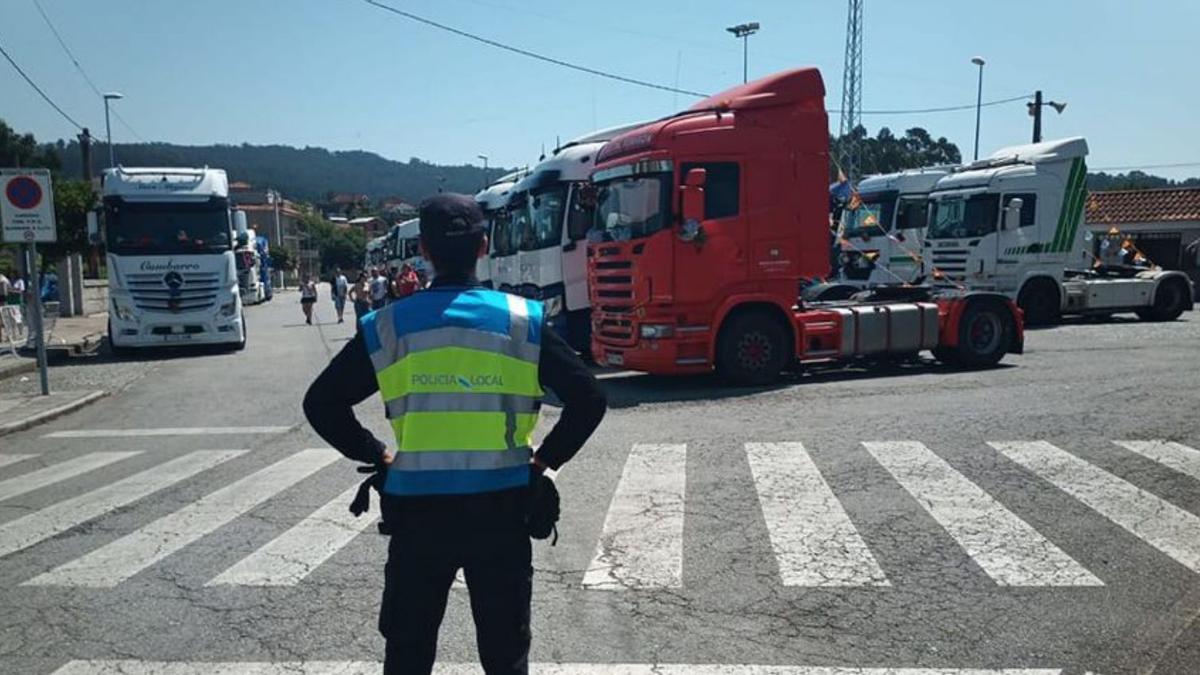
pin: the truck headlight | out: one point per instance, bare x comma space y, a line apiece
654, 331
228, 309
553, 306
122, 311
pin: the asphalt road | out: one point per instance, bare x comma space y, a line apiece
902, 517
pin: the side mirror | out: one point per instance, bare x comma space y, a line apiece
93, 227
692, 192
239, 221
1012, 213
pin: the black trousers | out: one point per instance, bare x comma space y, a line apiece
422, 560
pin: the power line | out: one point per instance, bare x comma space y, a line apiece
78, 66
39, 89
952, 108
532, 55
1177, 165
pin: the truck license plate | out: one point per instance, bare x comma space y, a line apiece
177, 337
615, 359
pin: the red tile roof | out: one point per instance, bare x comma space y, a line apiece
1144, 206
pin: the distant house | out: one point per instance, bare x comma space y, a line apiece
1164, 224
275, 217
395, 208
373, 226
344, 204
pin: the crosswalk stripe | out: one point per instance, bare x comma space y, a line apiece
77, 466
372, 667
62, 516
641, 545
163, 431
5, 460
815, 542
1155, 521
1175, 456
293, 555
1008, 549
115, 562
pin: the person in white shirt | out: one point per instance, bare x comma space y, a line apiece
379, 290
341, 288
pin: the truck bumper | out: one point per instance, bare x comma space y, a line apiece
160, 330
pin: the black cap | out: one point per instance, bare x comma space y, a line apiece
450, 215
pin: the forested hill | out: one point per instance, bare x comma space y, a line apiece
299, 173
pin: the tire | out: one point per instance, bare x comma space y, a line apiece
237, 347
119, 352
1170, 300
1040, 301
985, 332
753, 349
946, 355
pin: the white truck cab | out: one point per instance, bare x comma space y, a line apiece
405, 240
249, 264
551, 215
1013, 223
171, 273
493, 200
883, 228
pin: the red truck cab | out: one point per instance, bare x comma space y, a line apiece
707, 224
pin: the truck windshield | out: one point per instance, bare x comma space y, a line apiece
959, 218
871, 217
545, 219
633, 207
167, 228
502, 233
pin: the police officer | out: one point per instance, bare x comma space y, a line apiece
462, 370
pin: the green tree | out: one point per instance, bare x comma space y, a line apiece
283, 258
23, 150
72, 200
337, 246
888, 153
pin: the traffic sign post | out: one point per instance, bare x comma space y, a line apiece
27, 217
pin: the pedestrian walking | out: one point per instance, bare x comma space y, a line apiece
308, 298
340, 289
379, 289
360, 295
407, 281
462, 488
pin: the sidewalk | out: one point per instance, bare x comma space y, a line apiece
18, 412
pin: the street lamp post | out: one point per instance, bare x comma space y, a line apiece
744, 31
978, 60
110, 96
1035, 111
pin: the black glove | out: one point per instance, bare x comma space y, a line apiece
362, 499
542, 517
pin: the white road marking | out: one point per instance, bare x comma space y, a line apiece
294, 554
119, 560
76, 466
1006, 547
5, 460
641, 545
1155, 521
1175, 456
373, 667
164, 431
815, 542
45, 523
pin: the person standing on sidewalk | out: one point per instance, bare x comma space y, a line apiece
360, 295
379, 289
308, 298
341, 288
461, 369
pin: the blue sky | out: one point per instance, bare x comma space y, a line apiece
345, 75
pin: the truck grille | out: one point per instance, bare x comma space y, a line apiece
610, 287
951, 262
174, 291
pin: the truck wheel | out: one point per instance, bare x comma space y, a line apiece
1041, 303
1170, 300
119, 352
946, 355
984, 333
753, 350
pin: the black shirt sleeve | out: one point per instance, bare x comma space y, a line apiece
329, 404
584, 403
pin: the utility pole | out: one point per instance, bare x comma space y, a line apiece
744, 31
85, 152
1035, 111
978, 60
851, 116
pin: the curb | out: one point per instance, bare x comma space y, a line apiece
47, 415
19, 369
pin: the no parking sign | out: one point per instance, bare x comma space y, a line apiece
27, 206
